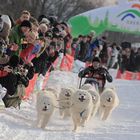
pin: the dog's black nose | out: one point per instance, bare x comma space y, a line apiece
45, 108
93, 98
67, 94
109, 99
82, 97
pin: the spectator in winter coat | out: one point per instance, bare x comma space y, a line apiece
96, 73
74, 47
42, 29
31, 49
112, 55
92, 49
35, 25
60, 44
83, 49
16, 77
47, 58
9, 81
25, 15
127, 60
77, 47
103, 53
18, 34
39, 60
68, 44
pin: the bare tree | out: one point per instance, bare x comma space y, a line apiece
63, 9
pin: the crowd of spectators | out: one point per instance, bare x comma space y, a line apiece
29, 45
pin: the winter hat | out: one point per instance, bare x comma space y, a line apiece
45, 21
126, 45
52, 20
96, 59
41, 17
55, 30
65, 24
26, 23
7, 20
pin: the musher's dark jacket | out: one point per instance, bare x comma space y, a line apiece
100, 74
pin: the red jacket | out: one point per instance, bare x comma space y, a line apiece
3, 73
26, 53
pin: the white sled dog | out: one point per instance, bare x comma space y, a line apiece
54, 89
81, 107
95, 100
108, 102
46, 101
95, 97
87, 87
65, 101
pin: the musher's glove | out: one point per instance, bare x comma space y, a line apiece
109, 77
84, 72
81, 74
106, 74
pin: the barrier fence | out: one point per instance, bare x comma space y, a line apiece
127, 75
66, 65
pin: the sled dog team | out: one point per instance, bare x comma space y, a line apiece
79, 104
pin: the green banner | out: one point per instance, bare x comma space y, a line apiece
119, 18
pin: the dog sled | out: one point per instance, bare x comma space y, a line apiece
92, 81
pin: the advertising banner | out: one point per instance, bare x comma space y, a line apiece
123, 17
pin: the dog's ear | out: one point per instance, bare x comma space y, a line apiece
72, 90
62, 89
113, 88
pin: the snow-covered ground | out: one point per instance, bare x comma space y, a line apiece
124, 124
